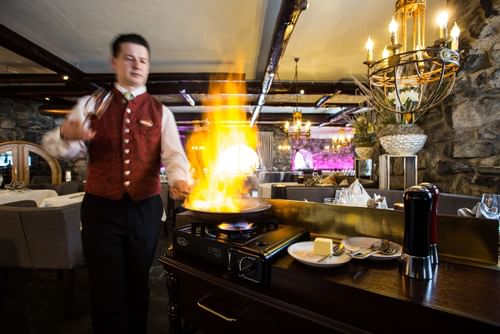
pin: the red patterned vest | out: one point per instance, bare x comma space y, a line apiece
124, 156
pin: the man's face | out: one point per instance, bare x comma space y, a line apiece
131, 65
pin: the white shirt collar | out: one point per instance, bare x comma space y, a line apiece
136, 91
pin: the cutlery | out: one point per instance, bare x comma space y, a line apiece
385, 247
337, 250
373, 246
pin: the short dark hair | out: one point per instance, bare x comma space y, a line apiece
128, 38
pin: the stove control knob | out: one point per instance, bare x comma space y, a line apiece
248, 269
247, 264
181, 241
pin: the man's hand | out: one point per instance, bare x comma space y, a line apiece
180, 189
73, 130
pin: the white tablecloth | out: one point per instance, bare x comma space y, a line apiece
62, 200
37, 195
265, 188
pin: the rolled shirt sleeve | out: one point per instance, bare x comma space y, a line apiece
69, 149
173, 156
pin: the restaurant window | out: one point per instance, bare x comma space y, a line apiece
27, 162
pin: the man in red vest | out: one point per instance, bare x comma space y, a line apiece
126, 134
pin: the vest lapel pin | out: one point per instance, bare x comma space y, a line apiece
146, 123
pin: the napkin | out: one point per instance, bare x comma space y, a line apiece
357, 195
476, 212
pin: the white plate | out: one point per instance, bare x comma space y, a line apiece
302, 252
356, 243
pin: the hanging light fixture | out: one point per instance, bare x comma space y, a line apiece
411, 78
297, 130
341, 141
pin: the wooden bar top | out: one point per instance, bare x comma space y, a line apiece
373, 290
370, 295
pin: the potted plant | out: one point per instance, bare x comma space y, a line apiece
364, 138
398, 132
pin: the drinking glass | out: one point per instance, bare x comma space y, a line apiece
341, 196
329, 200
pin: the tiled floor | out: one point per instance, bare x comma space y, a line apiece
35, 303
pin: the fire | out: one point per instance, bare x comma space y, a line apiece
222, 153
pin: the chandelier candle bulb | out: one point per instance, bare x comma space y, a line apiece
385, 55
443, 24
393, 29
385, 52
369, 49
455, 33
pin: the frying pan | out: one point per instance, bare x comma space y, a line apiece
251, 209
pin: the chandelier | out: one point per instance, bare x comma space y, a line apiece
297, 130
411, 78
341, 141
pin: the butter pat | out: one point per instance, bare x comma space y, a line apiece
322, 246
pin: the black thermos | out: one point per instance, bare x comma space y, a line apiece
416, 248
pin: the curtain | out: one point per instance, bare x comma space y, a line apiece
265, 149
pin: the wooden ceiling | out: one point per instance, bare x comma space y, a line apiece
194, 44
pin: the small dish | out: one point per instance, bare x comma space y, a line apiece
354, 244
302, 252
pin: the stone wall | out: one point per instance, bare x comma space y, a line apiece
20, 120
462, 153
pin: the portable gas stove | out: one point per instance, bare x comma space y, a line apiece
245, 248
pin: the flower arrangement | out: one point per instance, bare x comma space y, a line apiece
407, 101
397, 131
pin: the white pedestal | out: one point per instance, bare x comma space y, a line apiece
409, 166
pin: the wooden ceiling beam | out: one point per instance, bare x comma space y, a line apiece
51, 85
27, 49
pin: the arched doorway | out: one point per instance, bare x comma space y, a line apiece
27, 162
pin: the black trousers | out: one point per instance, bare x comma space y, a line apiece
119, 241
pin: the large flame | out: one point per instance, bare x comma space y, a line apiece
222, 152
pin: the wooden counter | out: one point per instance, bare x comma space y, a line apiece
360, 296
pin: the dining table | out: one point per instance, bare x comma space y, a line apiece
62, 200
37, 195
